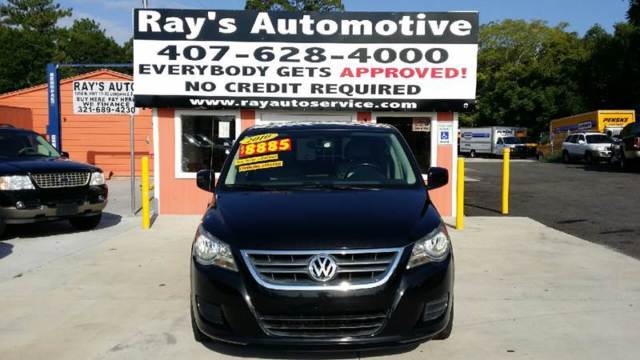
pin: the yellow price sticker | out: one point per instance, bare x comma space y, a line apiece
258, 138
256, 159
261, 166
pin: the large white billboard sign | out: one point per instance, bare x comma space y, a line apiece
278, 60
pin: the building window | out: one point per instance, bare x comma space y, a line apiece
417, 133
203, 141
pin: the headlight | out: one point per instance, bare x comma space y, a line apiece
210, 251
97, 178
17, 182
432, 248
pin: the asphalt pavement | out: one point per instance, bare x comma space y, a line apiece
595, 202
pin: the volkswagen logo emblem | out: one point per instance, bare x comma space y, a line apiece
322, 268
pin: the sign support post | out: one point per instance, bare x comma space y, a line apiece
132, 146
53, 129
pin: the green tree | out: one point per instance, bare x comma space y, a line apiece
127, 49
32, 15
611, 76
528, 73
28, 41
295, 5
17, 63
85, 42
634, 12
30, 38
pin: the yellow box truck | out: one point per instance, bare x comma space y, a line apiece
608, 122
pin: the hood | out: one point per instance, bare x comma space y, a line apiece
22, 166
304, 220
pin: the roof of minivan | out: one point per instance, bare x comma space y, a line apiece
321, 126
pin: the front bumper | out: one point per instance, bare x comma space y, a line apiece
227, 306
30, 206
602, 154
519, 151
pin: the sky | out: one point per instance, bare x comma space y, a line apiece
115, 15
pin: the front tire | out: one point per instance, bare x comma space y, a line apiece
624, 164
86, 222
588, 158
444, 334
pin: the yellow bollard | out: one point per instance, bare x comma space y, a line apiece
460, 196
146, 218
505, 181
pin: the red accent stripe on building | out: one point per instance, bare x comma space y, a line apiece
364, 116
442, 197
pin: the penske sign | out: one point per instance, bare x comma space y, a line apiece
279, 60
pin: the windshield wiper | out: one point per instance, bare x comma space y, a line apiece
252, 187
330, 186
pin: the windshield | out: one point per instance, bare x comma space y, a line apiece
320, 158
599, 139
24, 144
511, 140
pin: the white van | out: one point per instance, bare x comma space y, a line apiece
491, 141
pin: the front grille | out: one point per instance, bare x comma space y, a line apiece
61, 180
323, 326
289, 270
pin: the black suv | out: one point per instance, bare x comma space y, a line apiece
322, 235
627, 150
37, 183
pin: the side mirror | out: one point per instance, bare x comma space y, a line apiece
581, 142
64, 154
437, 177
206, 180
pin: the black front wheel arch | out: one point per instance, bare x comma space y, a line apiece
446, 332
198, 335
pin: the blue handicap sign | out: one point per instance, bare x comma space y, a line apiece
444, 135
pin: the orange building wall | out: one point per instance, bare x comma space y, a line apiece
182, 196
102, 140
18, 117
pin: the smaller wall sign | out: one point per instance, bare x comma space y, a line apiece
421, 125
93, 97
445, 134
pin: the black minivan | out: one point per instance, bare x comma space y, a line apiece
322, 235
